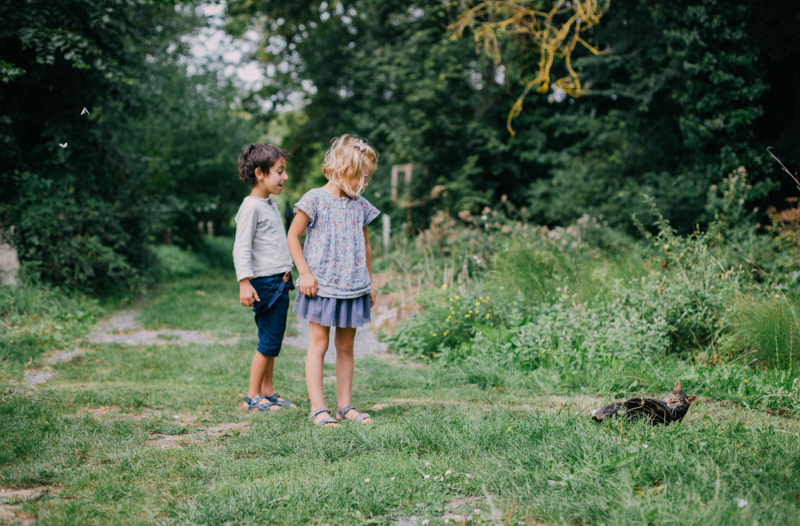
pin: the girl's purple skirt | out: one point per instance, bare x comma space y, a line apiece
334, 312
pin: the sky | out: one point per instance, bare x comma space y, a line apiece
212, 47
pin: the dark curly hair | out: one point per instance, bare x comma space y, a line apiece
258, 156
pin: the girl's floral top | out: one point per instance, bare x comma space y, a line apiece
335, 249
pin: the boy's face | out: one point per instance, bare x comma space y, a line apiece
273, 181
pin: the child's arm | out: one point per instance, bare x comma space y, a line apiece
308, 283
372, 294
246, 221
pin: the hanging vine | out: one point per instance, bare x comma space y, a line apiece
555, 33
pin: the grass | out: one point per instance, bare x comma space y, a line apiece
524, 438
771, 329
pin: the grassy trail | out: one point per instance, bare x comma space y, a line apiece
154, 434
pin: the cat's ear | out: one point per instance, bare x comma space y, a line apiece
691, 399
677, 388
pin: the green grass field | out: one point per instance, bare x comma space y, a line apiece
135, 435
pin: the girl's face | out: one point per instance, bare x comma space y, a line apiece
368, 170
272, 182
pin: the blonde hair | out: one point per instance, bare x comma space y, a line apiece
345, 162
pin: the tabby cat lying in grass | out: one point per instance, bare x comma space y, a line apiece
672, 408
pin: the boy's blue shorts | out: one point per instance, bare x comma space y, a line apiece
271, 321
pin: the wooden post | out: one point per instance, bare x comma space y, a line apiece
387, 232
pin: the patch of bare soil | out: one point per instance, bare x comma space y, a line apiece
11, 501
98, 412
214, 432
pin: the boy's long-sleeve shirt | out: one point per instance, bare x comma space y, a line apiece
260, 247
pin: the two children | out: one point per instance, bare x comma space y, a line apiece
335, 268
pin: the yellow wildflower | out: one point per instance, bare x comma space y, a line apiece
444, 287
488, 316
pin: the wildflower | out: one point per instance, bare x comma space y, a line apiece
444, 287
476, 511
366, 480
644, 446
741, 502
510, 429
488, 315
451, 299
425, 521
178, 417
427, 464
427, 476
402, 357
448, 472
469, 475
391, 478
434, 334
456, 297
466, 315
745, 381
446, 333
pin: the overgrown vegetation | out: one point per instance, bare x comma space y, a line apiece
586, 300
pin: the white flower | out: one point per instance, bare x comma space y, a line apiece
427, 476
366, 480
644, 446
391, 478
427, 464
425, 521
84, 111
63, 144
469, 475
741, 502
448, 472
176, 417
476, 511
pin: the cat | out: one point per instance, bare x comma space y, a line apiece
672, 408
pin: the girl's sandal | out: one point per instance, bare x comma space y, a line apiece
275, 398
360, 417
261, 403
327, 421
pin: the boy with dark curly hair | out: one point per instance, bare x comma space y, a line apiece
263, 266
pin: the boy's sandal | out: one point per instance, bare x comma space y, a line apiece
275, 399
262, 403
322, 421
360, 417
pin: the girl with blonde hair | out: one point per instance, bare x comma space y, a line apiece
335, 267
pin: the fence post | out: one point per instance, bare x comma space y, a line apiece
387, 232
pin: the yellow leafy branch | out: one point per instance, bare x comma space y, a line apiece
490, 20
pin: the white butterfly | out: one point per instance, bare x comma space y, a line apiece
63, 144
85, 111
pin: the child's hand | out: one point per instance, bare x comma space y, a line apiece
308, 285
247, 294
372, 298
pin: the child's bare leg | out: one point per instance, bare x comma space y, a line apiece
258, 372
345, 363
267, 388
317, 347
